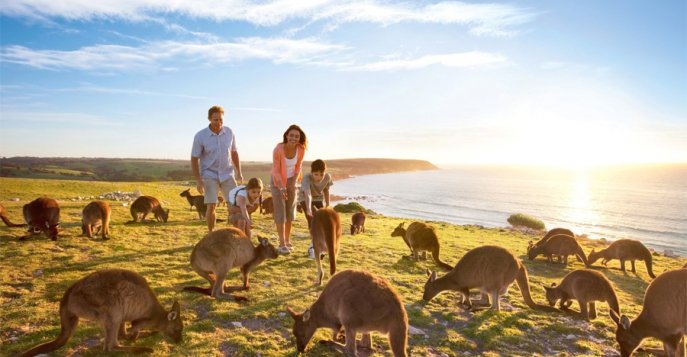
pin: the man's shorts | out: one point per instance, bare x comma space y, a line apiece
213, 187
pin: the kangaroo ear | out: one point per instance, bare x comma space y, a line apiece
306, 315
433, 276
614, 316
291, 312
553, 285
167, 211
625, 322
429, 273
263, 241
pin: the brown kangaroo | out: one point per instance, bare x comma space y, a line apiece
664, 316
146, 204
96, 217
562, 245
113, 297
421, 237
358, 223
6, 219
42, 215
359, 302
490, 269
624, 249
267, 206
326, 234
195, 200
223, 249
548, 235
586, 286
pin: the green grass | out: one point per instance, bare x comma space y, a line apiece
35, 273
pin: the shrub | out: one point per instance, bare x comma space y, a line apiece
523, 220
352, 207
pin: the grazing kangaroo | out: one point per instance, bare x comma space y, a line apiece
359, 302
548, 235
113, 297
325, 233
490, 269
96, 217
586, 286
421, 237
664, 316
267, 206
223, 249
358, 223
146, 204
42, 215
562, 245
197, 201
6, 219
624, 249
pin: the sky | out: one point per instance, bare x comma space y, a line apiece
564, 83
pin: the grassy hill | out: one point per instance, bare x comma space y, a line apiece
102, 169
34, 275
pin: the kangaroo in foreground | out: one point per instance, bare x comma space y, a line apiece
325, 233
144, 205
197, 201
42, 215
562, 245
624, 249
548, 235
491, 270
421, 237
5, 218
113, 297
358, 223
664, 316
359, 302
95, 217
220, 251
586, 286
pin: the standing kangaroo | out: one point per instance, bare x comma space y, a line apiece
96, 217
586, 286
6, 219
548, 235
421, 237
624, 249
42, 215
359, 302
220, 251
113, 297
491, 270
325, 233
144, 205
664, 316
197, 201
358, 223
562, 245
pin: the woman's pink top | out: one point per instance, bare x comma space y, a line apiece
279, 165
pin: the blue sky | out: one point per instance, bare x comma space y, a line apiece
574, 83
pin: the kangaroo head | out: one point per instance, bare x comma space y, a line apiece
399, 231
552, 294
266, 249
593, 256
303, 328
164, 214
185, 193
173, 324
530, 245
430, 290
624, 335
354, 229
532, 253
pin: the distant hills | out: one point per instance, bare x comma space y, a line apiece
105, 169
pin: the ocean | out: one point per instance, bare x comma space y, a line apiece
647, 203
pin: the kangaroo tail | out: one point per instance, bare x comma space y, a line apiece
198, 289
581, 256
435, 255
649, 261
524, 286
69, 322
330, 238
10, 224
106, 224
613, 303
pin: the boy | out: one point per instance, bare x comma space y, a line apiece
315, 189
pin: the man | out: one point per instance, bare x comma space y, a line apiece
211, 164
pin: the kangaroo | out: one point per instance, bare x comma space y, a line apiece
96, 215
624, 249
358, 223
267, 206
490, 269
113, 297
664, 316
42, 215
586, 286
326, 234
223, 249
562, 245
359, 302
548, 235
195, 200
146, 204
421, 237
6, 219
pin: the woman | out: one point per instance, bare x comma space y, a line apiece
287, 159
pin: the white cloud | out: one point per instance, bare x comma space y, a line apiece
471, 59
482, 19
60, 118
